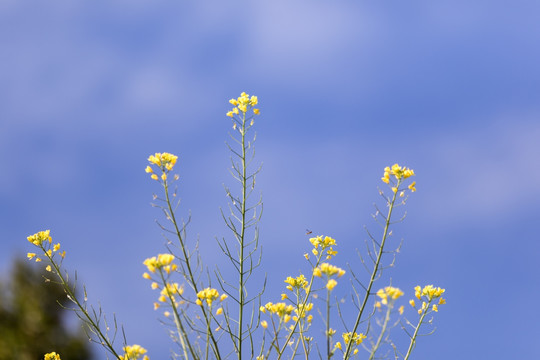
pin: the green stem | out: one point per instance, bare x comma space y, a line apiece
375, 270
383, 331
242, 234
179, 327
308, 292
413, 339
103, 339
328, 324
188, 265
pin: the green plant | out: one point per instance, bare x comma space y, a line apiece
215, 316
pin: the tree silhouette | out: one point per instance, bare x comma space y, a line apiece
32, 322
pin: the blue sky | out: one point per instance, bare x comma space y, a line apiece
449, 88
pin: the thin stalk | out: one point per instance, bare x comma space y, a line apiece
328, 323
188, 265
375, 270
308, 292
104, 341
413, 339
383, 331
179, 327
242, 234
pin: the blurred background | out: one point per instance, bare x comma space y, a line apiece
449, 88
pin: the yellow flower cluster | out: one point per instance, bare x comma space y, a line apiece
328, 270
243, 103
162, 261
43, 240
38, 238
398, 171
170, 291
355, 338
164, 161
389, 292
209, 295
429, 290
302, 310
430, 293
52, 356
280, 309
134, 352
320, 244
298, 282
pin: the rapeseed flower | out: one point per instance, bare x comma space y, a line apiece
242, 104
355, 338
399, 173
134, 352
52, 356
389, 292
164, 161
208, 295
298, 282
162, 261
38, 238
320, 244
328, 270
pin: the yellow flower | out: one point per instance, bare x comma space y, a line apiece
30, 256
154, 285
256, 111
284, 296
148, 169
413, 304
154, 176
331, 284
38, 238
389, 292
355, 338
435, 308
442, 301
158, 262
208, 294
52, 356
338, 345
230, 114
56, 247
298, 282
163, 176
280, 309
48, 268
264, 324
412, 186
63, 254
133, 352
219, 311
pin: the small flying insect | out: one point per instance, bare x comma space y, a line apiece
308, 232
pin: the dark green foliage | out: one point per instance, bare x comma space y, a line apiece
32, 322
